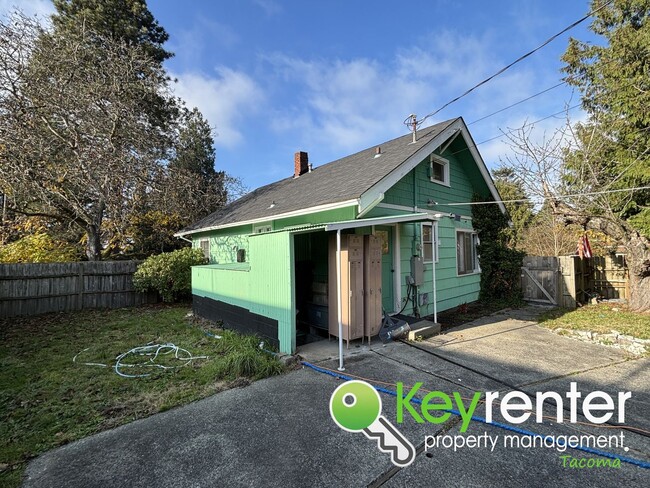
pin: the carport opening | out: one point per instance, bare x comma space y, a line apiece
312, 285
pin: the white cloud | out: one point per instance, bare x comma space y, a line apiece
346, 103
357, 102
40, 8
226, 100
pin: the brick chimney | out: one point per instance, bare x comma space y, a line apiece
300, 164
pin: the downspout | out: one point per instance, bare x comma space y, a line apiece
186, 239
338, 299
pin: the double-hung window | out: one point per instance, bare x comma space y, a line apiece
466, 255
204, 244
430, 242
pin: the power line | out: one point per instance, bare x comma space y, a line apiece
517, 103
558, 197
528, 124
521, 58
475, 146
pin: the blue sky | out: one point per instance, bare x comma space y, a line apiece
334, 77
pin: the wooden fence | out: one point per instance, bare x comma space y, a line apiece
566, 281
30, 289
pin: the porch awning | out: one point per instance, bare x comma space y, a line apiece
393, 219
351, 224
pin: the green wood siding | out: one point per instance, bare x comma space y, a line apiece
272, 284
264, 287
266, 283
416, 189
224, 244
346, 213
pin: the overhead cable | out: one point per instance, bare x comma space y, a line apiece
519, 59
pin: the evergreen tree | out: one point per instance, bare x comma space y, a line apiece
521, 213
203, 188
125, 20
612, 149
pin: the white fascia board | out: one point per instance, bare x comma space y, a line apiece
456, 127
367, 206
295, 213
391, 179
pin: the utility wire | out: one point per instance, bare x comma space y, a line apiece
527, 124
475, 146
558, 197
521, 58
517, 103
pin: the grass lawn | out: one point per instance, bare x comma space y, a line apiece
47, 400
601, 318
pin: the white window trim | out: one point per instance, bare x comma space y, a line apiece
434, 242
475, 242
209, 250
445, 163
261, 229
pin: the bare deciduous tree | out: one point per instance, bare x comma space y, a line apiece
77, 142
580, 194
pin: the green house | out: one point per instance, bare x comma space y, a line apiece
268, 250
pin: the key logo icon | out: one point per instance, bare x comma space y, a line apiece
355, 406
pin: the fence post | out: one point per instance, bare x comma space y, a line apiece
80, 288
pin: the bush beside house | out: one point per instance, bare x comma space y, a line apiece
170, 274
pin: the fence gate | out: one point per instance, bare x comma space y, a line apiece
566, 281
540, 279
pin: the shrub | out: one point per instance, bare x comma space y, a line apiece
500, 265
169, 273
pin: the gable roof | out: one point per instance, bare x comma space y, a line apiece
340, 183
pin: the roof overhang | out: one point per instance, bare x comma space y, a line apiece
269, 218
375, 194
393, 219
353, 224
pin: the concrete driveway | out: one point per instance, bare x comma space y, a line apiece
278, 431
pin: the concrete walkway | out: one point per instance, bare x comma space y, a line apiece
278, 432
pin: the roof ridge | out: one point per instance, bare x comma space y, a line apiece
340, 180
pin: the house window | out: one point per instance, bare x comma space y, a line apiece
204, 244
261, 229
430, 242
439, 170
466, 255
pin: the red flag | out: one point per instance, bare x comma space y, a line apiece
584, 248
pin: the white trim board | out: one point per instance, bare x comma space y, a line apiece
458, 126
269, 218
395, 219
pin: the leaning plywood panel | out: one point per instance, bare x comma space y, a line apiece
372, 285
351, 287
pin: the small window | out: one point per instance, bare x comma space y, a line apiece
261, 229
429, 242
439, 170
241, 255
466, 255
205, 247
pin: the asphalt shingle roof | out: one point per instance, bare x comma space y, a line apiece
341, 180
